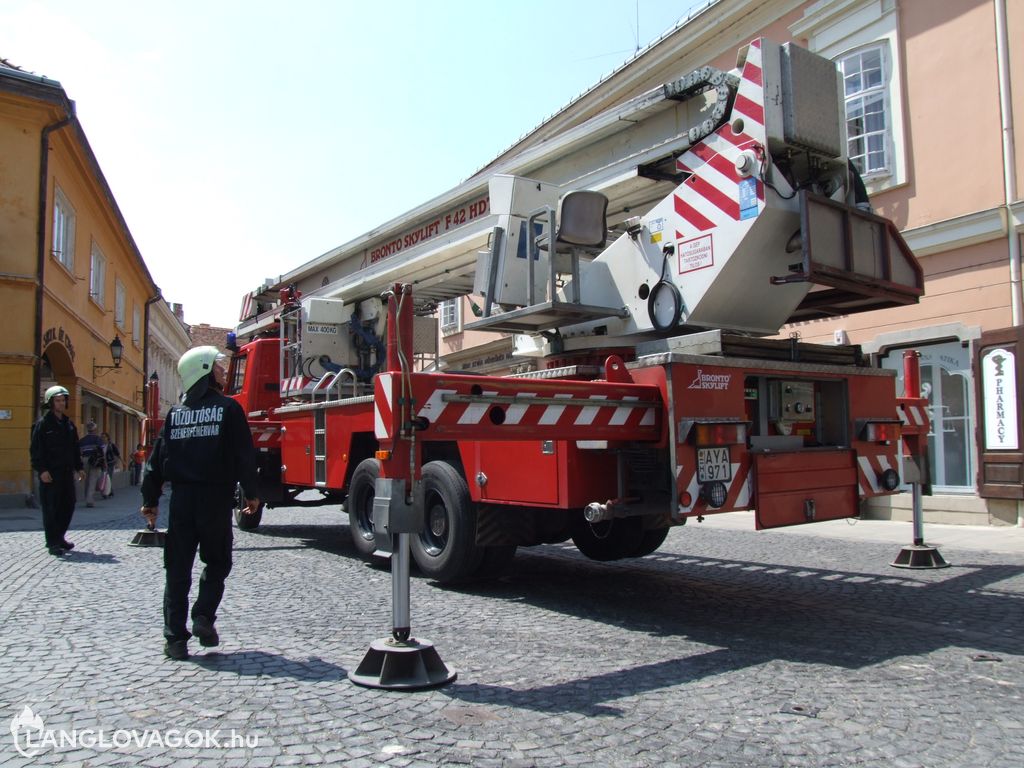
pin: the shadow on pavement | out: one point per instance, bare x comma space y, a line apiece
750, 614
585, 695
79, 556
264, 664
325, 538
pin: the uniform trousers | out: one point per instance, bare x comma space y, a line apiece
200, 518
57, 498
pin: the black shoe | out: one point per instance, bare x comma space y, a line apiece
176, 649
68, 545
55, 551
202, 628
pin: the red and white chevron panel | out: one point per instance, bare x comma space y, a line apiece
914, 416
293, 385
383, 413
869, 470
710, 197
487, 408
247, 304
263, 435
738, 495
579, 410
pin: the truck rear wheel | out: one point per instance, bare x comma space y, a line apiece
360, 506
610, 539
446, 549
651, 539
243, 520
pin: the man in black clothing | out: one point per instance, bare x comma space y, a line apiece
56, 458
204, 450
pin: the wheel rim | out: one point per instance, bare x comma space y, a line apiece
364, 514
435, 538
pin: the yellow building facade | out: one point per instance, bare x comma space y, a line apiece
73, 285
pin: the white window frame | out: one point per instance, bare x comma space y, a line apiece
120, 304
136, 325
449, 314
98, 276
836, 29
63, 241
877, 93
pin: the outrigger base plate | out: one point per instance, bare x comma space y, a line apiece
402, 665
919, 556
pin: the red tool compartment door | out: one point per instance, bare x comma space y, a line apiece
296, 450
517, 471
804, 487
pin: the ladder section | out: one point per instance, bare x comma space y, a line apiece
320, 447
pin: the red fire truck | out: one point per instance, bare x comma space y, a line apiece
640, 261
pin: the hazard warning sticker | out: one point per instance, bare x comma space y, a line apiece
695, 254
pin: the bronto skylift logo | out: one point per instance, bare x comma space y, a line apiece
26, 728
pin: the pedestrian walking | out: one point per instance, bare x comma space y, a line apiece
95, 463
56, 457
205, 451
138, 459
111, 458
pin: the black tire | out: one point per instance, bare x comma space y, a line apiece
495, 561
610, 539
446, 549
651, 539
243, 520
359, 506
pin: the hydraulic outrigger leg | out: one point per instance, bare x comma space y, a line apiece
400, 662
915, 432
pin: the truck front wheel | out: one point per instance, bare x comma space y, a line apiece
446, 549
244, 520
359, 506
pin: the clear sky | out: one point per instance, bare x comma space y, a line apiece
243, 139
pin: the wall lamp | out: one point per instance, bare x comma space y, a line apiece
116, 350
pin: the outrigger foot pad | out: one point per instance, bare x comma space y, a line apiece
148, 537
402, 665
919, 556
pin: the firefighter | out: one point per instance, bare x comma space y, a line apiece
204, 450
56, 458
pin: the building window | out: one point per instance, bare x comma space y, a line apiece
450, 312
868, 127
136, 326
63, 230
119, 304
98, 276
862, 38
946, 383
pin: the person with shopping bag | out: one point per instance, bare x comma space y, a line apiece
111, 458
91, 447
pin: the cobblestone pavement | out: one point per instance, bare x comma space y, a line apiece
725, 648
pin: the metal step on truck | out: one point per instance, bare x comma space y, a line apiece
641, 260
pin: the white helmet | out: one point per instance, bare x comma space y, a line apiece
53, 392
195, 364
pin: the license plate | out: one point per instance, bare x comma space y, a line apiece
713, 464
